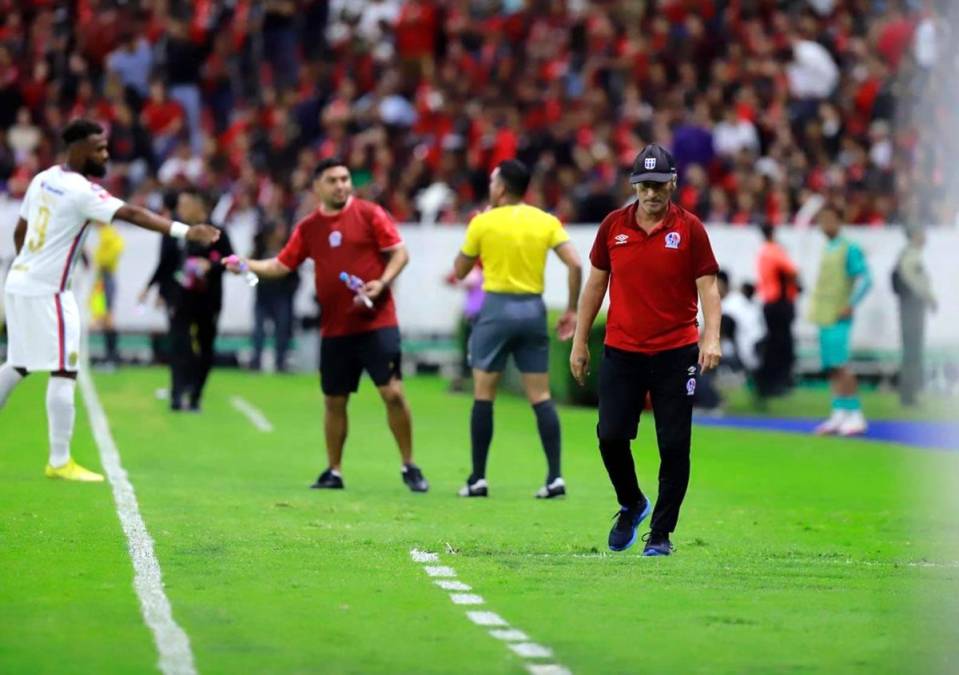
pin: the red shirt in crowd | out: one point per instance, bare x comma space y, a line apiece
352, 241
653, 299
158, 116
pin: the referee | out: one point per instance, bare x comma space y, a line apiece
655, 258
513, 240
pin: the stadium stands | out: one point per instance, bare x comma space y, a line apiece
765, 104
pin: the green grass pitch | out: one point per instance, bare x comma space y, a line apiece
795, 554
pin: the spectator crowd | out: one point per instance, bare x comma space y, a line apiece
769, 106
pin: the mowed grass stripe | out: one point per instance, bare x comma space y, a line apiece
66, 584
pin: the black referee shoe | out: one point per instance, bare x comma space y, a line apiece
414, 478
328, 481
557, 488
657, 544
478, 488
623, 534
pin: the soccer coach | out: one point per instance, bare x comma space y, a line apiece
655, 258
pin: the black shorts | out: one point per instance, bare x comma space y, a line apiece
669, 378
344, 358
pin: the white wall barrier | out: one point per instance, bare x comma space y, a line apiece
428, 306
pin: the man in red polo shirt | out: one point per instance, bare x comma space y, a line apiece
656, 260
347, 234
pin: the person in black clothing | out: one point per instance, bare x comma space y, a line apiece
190, 280
274, 297
184, 60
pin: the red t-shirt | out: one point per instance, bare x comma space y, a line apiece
157, 117
653, 299
352, 241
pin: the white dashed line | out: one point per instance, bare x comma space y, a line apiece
423, 556
466, 599
518, 641
453, 585
531, 650
548, 669
486, 619
252, 413
440, 571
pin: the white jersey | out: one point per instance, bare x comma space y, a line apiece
58, 207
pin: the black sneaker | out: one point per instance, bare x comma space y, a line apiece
623, 534
414, 478
328, 481
477, 488
557, 488
657, 544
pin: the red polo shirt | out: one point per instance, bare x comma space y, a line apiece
352, 241
653, 300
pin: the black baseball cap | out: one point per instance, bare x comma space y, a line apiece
653, 164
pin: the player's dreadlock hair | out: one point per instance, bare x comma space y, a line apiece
79, 129
515, 177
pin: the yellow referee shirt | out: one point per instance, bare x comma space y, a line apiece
513, 242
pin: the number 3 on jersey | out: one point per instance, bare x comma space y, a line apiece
39, 227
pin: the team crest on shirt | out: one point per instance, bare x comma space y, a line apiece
336, 238
621, 239
672, 240
690, 386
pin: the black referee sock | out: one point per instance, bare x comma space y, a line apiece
481, 435
547, 421
622, 472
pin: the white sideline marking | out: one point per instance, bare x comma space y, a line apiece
466, 599
531, 650
486, 619
440, 571
548, 669
518, 641
453, 585
172, 642
252, 413
423, 556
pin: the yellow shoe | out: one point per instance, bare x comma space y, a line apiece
73, 471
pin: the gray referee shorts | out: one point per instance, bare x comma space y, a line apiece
510, 324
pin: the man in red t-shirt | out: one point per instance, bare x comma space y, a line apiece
358, 327
656, 260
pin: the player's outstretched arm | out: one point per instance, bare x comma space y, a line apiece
201, 234
19, 235
265, 269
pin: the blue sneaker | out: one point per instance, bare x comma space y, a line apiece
623, 534
657, 544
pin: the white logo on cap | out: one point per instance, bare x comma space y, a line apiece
336, 238
649, 163
672, 240
621, 238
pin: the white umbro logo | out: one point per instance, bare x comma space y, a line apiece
649, 163
621, 239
